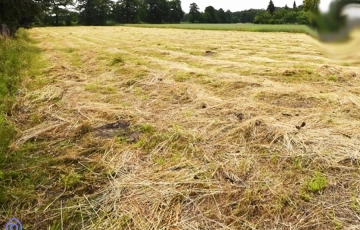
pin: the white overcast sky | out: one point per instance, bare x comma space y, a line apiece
238, 5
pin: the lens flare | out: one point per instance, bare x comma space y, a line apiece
338, 30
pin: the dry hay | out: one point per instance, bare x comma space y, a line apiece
214, 142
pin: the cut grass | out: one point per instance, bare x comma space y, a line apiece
189, 140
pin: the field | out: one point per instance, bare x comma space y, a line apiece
234, 27
152, 128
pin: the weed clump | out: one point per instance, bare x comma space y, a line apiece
332, 78
316, 184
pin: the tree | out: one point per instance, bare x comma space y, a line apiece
311, 5
229, 16
58, 7
194, 13
95, 12
294, 5
157, 11
303, 17
185, 18
262, 17
19, 13
246, 16
271, 7
211, 13
286, 7
176, 13
126, 11
222, 16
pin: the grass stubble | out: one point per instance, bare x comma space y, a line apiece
188, 129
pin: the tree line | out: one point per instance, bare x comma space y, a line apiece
103, 12
283, 15
25, 13
271, 15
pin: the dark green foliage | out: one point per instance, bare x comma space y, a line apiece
58, 8
221, 16
246, 16
128, 11
211, 15
283, 16
94, 12
229, 16
194, 13
271, 7
149, 11
157, 11
262, 17
279, 15
62, 17
19, 13
175, 11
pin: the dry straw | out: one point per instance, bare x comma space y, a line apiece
240, 139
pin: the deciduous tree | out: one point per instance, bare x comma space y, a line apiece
194, 13
95, 12
211, 13
58, 7
157, 11
221, 16
229, 16
19, 13
126, 11
176, 13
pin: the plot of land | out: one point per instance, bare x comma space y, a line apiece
196, 130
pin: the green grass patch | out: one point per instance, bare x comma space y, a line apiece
98, 88
317, 183
16, 57
147, 128
236, 27
29, 172
332, 78
355, 204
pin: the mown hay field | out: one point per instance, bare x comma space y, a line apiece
193, 129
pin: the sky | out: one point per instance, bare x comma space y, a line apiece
238, 5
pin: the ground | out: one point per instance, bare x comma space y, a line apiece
191, 129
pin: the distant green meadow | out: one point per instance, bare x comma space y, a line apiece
236, 27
